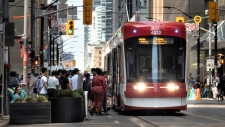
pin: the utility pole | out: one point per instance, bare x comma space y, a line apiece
25, 41
215, 64
32, 37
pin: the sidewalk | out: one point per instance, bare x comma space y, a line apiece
4, 122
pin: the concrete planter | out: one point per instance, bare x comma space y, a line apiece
66, 109
30, 113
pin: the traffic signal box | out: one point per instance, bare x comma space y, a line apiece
221, 58
67, 65
87, 12
36, 61
179, 19
213, 12
70, 27
74, 63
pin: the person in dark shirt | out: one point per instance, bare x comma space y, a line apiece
64, 81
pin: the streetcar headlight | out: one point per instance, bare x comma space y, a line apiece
172, 86
140, 87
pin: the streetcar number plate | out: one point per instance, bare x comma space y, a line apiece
156, 32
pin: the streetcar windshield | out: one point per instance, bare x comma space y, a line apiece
155, 59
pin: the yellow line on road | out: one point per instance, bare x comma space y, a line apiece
204, 117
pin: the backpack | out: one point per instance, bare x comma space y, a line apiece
37, 86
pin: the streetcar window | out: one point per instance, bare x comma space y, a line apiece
155, 59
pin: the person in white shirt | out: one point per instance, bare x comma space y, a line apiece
53, 83
43, 82
75, 78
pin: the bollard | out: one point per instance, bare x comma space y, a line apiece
86, 107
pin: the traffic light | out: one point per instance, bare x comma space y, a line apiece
179, 19
67, 65
36, 61
74, 63
70, 27
221, 59
213, 12
87, 12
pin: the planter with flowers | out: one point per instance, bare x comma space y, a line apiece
30, 111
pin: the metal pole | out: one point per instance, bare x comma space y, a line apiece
53, 51
2, 69
32, 31
198, 55
215, 70
210, 43
25, 41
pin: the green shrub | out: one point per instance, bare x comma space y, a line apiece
76, 94
30, 99
64, 93
18, 100
80, 91
41, 99
68, 93
58, 93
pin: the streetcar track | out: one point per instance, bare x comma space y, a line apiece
204, 117
146, 121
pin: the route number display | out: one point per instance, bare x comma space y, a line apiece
210, 63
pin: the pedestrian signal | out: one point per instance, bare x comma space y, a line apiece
67, 64
74, 63
70, 27
221, 59
36, 61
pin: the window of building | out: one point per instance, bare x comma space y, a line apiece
100, 52
100, 64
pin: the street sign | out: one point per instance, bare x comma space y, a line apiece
54, 23
62, 28
197, 19
191, 26
210, 63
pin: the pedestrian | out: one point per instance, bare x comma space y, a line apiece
93, 72
98, 91
64, 81
87, 84
13, 80
53, 83
105, 75
75, 79
17, 92
43, 82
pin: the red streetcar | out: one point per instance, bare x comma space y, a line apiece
146, 64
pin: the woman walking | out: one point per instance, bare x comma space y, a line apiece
98, 91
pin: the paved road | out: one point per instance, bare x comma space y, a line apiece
204, 113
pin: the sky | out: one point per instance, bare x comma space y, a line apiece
75, 44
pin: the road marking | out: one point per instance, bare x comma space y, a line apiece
110, 116
116, 121
204, 117
204, 106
